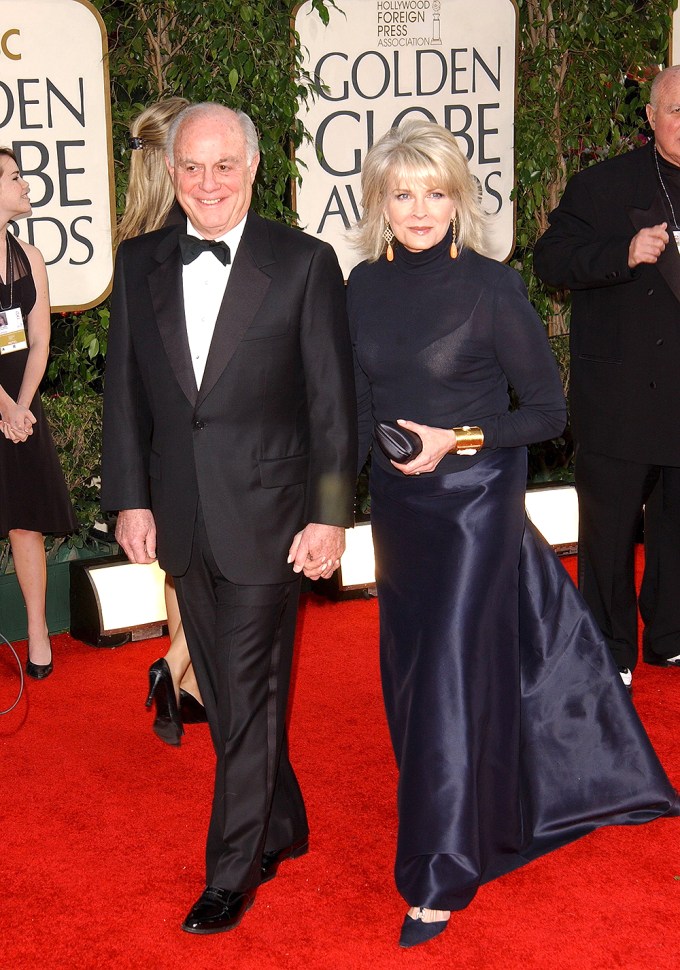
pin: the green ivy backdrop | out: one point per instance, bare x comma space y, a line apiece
582, 83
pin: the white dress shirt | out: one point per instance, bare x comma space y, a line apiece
203, 283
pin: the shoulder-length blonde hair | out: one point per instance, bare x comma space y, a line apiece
424, 153
150, 194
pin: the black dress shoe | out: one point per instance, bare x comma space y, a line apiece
218, 910
656, 661
167, 724
191, 710
272, 860
627, 678
415, 931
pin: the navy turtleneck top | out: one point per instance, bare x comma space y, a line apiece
438, 341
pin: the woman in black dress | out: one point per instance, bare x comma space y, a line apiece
33, 494
512, 730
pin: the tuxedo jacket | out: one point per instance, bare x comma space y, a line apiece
625, 324
268, 442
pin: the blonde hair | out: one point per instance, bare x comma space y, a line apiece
419, 152
150, 194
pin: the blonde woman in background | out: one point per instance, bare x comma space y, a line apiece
150, 204
512, 730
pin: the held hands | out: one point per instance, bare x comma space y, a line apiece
647, 245
136, 534
437, 442
17, 423
316, 550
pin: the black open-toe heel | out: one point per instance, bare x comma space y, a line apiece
167, 724
191, 710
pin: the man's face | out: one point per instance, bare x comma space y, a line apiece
665, 120
212, 178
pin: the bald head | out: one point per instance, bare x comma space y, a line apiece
661, 81
663, 114
220, 114
212, 163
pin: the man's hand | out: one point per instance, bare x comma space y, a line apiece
317, 549
136, 534
647, 245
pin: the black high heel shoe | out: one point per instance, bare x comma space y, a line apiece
40, 671
416, 931
167, 724
190, 708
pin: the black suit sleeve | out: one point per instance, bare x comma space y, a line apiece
127, 416
329, 383
581, 249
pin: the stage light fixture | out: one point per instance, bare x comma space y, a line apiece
553, 509
114, 601
355, 577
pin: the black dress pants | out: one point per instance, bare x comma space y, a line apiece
241, 644
612, 494
660, 592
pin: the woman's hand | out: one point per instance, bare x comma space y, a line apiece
17, 422
11, 434
437, 442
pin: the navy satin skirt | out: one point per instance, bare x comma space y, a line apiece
512, 729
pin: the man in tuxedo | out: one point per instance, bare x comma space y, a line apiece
613, 241
229, 451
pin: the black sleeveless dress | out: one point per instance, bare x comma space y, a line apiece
33, 493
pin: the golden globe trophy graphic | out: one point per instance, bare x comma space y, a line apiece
436, 24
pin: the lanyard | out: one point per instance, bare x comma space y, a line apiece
9, 278
665, 190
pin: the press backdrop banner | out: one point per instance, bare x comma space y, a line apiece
380, 61
55, 113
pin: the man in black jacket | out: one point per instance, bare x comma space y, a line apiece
230, 448
613, 241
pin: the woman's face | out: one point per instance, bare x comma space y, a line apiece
419, 215
13, 190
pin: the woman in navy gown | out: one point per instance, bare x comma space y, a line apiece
512, 730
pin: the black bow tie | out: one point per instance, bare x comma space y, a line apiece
191, 248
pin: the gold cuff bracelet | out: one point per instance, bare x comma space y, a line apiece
468, 440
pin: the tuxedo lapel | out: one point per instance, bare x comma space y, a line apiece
649, 210
243, 297
165, 283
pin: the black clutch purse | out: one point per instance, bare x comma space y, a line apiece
398, 443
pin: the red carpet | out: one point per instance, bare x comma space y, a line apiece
103, 828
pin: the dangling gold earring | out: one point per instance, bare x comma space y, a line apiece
388, 236
454, 248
